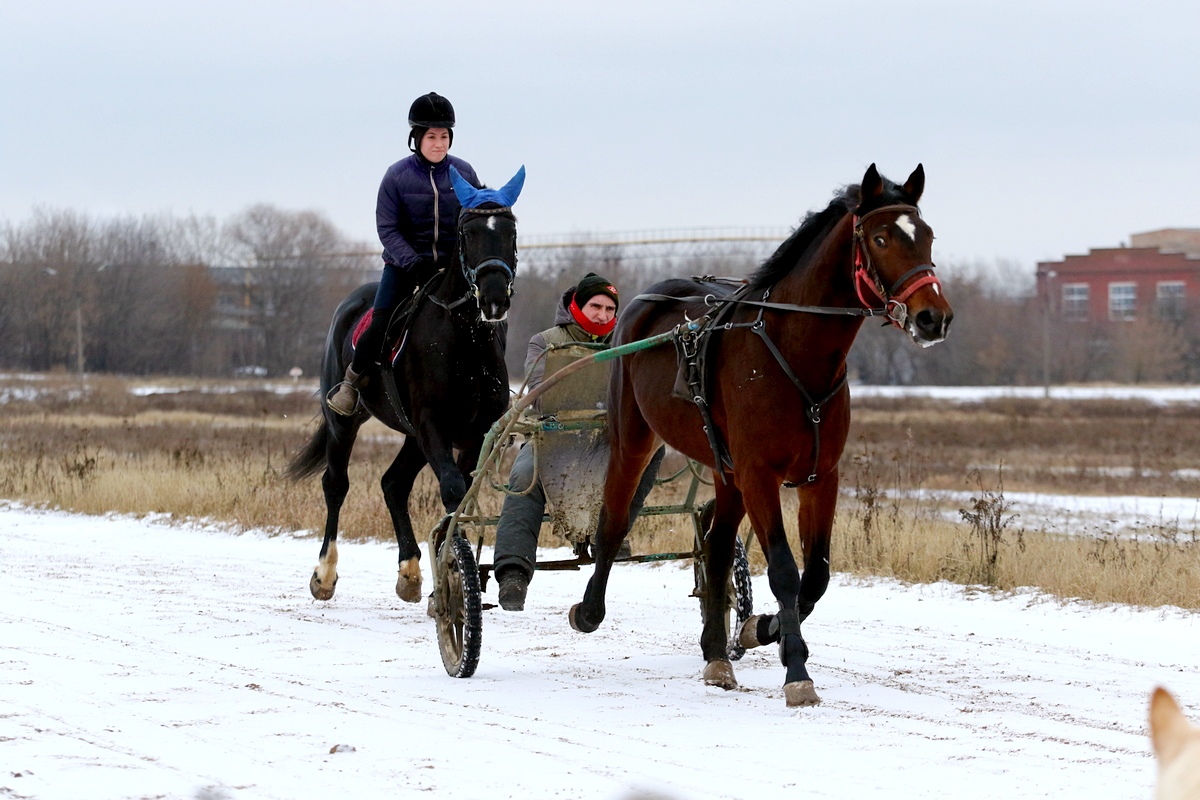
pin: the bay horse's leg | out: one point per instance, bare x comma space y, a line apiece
718, 559
797, 596
335, 483
397, 485
632, 447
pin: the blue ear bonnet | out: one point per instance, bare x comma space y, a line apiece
470, 197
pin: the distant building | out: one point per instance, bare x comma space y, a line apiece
1157, 277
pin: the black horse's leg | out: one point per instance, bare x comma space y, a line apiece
336, 483
762, 504
718, 559
468, 459
440, 456
397, 485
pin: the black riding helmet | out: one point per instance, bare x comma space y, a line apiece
429, 111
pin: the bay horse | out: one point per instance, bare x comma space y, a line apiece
447, 385
778, 403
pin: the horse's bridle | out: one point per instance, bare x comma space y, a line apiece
471, 273
866, 276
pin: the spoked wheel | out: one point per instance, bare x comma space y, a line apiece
739, 595
458, 609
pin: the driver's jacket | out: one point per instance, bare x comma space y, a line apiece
565, 330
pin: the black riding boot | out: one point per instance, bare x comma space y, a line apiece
343, 398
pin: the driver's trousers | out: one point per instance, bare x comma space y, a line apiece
521, 516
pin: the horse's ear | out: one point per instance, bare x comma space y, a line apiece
510, 191
915, 185
872, 184
464, 191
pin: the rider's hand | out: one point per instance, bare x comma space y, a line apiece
423, 269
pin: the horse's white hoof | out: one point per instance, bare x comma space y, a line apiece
800, 694
324, 577
748, 635
720, 673
408, 581
320, 590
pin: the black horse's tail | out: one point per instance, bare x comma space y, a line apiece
313, 458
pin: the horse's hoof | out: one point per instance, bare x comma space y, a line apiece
319, 591
408, 581
431, 607
577, 622
720, 673
800, 693
748, 636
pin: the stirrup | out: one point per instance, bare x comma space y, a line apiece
343, 399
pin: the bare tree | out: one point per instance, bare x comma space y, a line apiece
297, 280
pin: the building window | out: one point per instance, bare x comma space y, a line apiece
1075, 301
1122, 300
1170, 300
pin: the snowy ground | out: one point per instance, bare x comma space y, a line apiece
1082, 515
141, 659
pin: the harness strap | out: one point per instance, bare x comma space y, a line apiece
713, 301
812, 408
451, 305
692, 343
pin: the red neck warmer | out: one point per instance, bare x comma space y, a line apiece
587, 324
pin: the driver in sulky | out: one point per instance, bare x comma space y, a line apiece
587, 312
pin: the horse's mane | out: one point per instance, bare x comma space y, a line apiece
797, 250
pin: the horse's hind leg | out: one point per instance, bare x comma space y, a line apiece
335, 483
718, 559
397, 485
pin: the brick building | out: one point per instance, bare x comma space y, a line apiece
1157, 276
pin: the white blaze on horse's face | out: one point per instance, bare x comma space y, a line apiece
495, 309
905, 224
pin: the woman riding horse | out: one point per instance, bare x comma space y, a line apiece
417, 218
445, 382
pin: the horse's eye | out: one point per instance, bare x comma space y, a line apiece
880, 241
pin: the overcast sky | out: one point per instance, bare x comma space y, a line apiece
1045, 127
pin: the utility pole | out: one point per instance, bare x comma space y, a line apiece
79, 334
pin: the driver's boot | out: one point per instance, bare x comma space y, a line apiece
343, 398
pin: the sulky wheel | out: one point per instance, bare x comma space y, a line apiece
458, 609
739, 595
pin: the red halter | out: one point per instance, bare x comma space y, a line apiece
866, 276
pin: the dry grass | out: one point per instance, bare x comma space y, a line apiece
215, 454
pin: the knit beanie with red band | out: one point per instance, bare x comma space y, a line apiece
592, 285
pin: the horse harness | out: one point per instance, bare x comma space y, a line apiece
693, 337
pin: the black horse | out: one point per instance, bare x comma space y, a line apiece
444, 389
